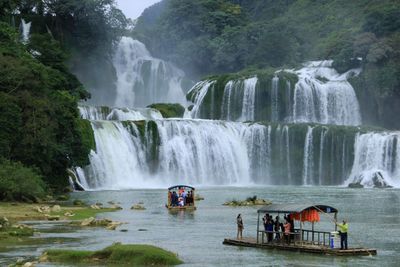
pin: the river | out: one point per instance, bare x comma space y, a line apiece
373, 217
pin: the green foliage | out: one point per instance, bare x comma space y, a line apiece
18, 182
127, 255
169, 110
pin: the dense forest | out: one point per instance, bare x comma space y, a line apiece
41, 133
209, 37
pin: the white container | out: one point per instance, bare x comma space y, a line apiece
334, 240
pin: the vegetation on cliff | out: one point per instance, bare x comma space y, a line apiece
40, 121
208, 37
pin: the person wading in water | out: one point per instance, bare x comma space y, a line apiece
240, 226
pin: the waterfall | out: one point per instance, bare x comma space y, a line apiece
25, 31
118, 114
199, 91
119, 159
321, 155
226, 101
203, 152
323, 96
285, 131
274, 99
249, 99
142, 79
377, 159
308, 160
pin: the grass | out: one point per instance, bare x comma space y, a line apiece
118, 254
24, 212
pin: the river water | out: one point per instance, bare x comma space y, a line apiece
373, 217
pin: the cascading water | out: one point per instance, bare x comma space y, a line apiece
377, 160
274, 99
199, 91
144, 80
308, 161
25, 31
118, 114
249, 93
323, 96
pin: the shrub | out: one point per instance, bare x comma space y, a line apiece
18, 182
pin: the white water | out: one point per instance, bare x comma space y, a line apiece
144, 80
118, 114
200, 91
25, 31
376, 155
308, 159
274, 99
249, 95
323, 96
226, 101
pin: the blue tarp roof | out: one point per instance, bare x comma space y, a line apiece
295, 207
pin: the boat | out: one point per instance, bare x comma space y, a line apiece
300, 239
181, 197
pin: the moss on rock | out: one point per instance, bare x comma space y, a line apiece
126, 255
169, 110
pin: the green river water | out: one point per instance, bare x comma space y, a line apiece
373, 217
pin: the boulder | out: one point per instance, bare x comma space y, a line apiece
28, 264
56, 208
4, 222
53, 217
88, 221
69, 214
113, 225
116, 207
356, 185
138, 207
95, 207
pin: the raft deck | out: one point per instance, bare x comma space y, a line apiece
308, 248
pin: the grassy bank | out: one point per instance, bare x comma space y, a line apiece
126, 255
17, 211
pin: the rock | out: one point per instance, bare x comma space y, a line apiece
95, 207
53, 217
116, 207
69, 214
56, 208
43, 257
379, 181
138, 207
103, 222
28, 264
254, 201
113, 225
198, 197
123, 230
99, 204
142, 230
111, 202
356, 185
78, 202
88, 221
4, 222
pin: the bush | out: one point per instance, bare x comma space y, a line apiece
18, 182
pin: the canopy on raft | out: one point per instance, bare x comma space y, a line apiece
178, 186
300, 212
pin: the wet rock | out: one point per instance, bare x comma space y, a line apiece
69, 214
138, 207
28, 264
198, 197
356, 185
123, 230
378, 181
99, 204
116, 207
53, 217
95, 207
113, 225
88, 221
252, 201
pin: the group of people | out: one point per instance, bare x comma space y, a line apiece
278, 228
181, 199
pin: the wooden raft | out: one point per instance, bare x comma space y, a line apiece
252, 242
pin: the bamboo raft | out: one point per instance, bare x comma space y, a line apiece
308, 248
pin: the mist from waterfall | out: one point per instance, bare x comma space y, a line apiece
143, 79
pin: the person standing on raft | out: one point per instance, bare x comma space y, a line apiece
344, 227
240, 226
